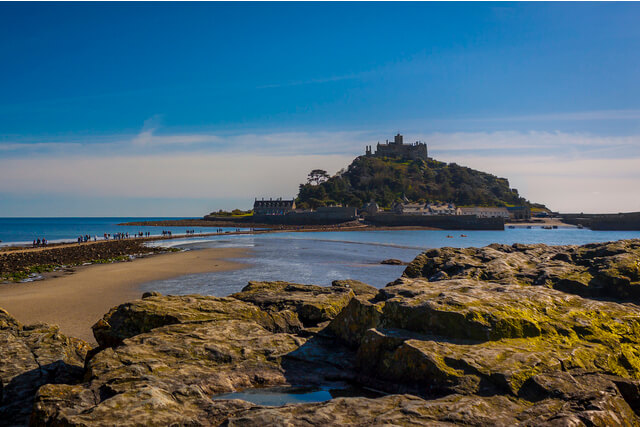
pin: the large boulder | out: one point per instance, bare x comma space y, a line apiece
153, 311
168, 375
466, 336
31, 356
360, 289
313, 304
603, 270
164, 358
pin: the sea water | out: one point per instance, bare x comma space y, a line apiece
321, 257
278, 396
23, 231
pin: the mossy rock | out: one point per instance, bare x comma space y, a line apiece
141, 316
470, 336
312, 304
601, 270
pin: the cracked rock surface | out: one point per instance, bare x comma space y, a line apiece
31, 356
466, 337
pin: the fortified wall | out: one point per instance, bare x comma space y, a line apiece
322, 216
629, 221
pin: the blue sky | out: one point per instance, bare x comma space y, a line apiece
179, 109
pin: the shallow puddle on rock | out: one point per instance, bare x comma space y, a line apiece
278, 396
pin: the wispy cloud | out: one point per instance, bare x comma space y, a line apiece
566, 116
558, 144
151, 140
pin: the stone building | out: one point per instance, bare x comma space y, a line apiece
519, 212
398, 149
425, 209
370, 208
273, 207
484, 212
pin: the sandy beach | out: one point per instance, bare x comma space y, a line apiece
76, 301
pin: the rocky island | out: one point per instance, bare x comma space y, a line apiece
499, 335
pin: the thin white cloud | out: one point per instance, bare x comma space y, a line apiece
150, 141
567, 116
548, 143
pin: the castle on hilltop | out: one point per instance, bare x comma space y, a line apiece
397, 148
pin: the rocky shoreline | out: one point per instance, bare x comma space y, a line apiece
500, 335
20, 264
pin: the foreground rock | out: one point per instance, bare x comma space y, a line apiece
602, 270
141, 316
163, 358
468, 351
470, 337
313, 304
605, 409
31, 356
393, 261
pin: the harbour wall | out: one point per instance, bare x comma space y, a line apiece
620, 221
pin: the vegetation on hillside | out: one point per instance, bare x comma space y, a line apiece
386, 180
235, 212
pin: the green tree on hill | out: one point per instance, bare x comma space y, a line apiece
317, 176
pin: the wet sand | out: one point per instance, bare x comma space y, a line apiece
76, 301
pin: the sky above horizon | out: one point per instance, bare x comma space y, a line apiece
167, 109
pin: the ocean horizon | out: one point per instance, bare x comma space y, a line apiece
23, 230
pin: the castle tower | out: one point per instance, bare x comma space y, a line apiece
398, 149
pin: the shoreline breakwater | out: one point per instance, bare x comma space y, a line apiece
19, 263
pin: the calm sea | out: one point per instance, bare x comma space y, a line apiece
320, 258
312, 258
25, 230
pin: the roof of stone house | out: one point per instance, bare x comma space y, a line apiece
484, 208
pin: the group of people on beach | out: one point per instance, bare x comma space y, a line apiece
39, 242
124, 235
221, 230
